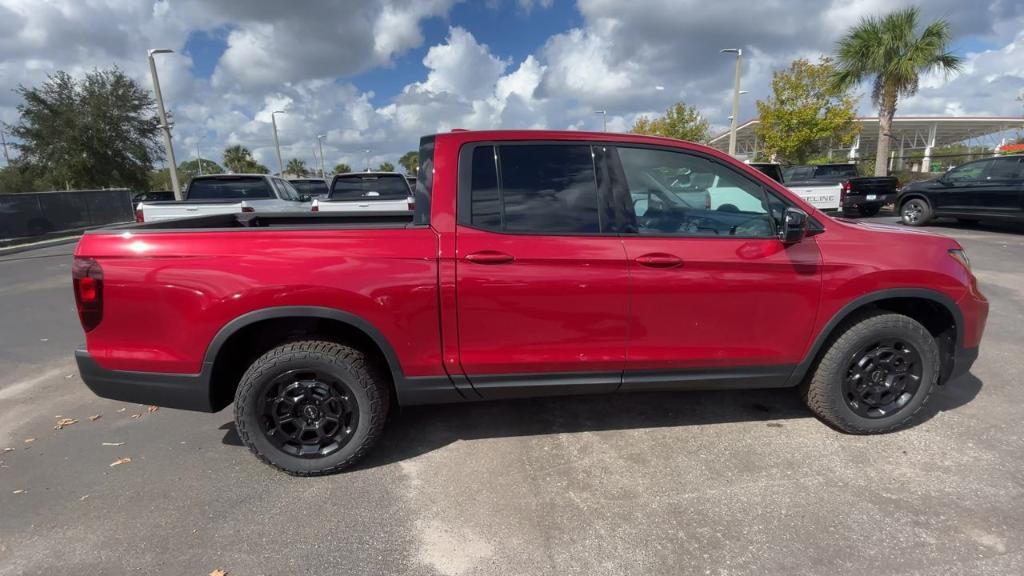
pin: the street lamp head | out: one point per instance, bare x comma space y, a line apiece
736, 51
278, 112
160, 51
744, 91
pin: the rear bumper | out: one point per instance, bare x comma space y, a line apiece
184, 391
852, 201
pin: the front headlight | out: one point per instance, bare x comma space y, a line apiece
960, 256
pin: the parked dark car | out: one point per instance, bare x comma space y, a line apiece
989, 189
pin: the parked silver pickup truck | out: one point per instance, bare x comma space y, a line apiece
227, 194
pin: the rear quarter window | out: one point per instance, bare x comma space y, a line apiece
364, 187
240, 188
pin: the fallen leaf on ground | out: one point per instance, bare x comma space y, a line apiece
84, 497
121, 409
120, 461
69, 376
64, 423
136, 415
152, 409
219, 572
19, 492
29, 440
8, 449
44, 339
113, 443
95, 417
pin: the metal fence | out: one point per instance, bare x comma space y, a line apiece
41, 214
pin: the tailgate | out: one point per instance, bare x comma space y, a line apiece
361, 206
879, 186
822, 197
170, 210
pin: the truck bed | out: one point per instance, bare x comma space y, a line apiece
292, 220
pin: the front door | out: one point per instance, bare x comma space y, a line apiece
542, 286
960, 188
716, 298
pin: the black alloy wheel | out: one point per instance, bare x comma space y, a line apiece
882, 378
308, 414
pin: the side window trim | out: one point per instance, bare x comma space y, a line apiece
464, 191
765, 190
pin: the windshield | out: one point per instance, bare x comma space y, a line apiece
237, 188
312, 188
370, 187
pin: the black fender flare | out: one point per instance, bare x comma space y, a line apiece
801, 369
358, 322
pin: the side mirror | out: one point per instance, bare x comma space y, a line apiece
794, 226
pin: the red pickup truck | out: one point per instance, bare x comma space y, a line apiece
535, 263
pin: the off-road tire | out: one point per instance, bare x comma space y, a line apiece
916, 212
823, 390
368, 388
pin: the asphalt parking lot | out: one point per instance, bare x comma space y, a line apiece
688, 483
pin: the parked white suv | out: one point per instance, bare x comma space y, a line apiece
367, 192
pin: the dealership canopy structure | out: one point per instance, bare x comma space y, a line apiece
909, 133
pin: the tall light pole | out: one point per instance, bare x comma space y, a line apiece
604, 119
163, 121
277, 144
199, 159
367, 152
320, 142
735, 98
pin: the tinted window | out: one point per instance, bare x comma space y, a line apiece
836, 171
424, 181
682, 194
970, 172
773, 171
370, 187
229, 188
548, 189
310, 187
1005, 169
484, 195
797, 173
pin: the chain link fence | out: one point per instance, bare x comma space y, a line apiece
41, 215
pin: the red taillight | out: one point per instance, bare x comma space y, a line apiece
248, 209
139, 216
707, 202
412, 204
844, 190
315, 207
87, 277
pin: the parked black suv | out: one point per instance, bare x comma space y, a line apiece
987, 189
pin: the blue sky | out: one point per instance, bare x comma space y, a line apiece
378, 74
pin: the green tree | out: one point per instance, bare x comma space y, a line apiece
893, 54
296, 167
190, 169
386, 167
410, 161
680, 121
100, 130
342, 168
238, 159
806, 112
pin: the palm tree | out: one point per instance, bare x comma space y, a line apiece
342, 168
296, 167
237, 158
890, 50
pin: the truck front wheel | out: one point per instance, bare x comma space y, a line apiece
310, 408
875, 375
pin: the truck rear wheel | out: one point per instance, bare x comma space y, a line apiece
310, 408
875, 375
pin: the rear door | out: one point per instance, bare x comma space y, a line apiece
541, 278
999, 192
961, 188
716, 297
